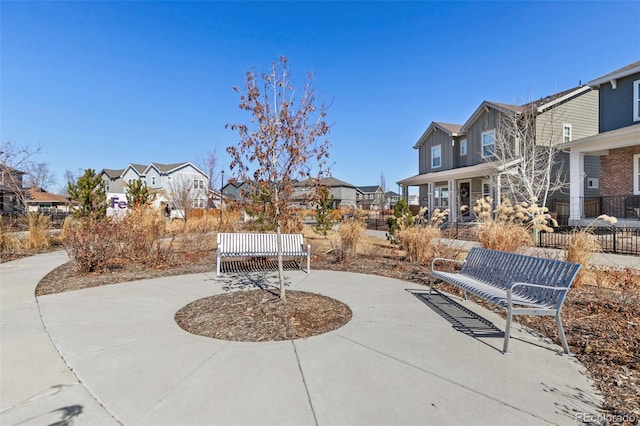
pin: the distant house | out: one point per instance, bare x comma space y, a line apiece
617, 144
168, 180
344, 194
370, 197
456, 163
391, 199
11, 190
39, 200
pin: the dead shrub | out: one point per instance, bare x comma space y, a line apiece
503, 236
91, 245
583, 245
140, 236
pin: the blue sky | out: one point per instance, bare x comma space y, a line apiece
104, 84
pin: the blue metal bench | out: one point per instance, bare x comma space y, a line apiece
522, 285
260, 245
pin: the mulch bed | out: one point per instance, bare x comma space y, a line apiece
602, 324
260, 315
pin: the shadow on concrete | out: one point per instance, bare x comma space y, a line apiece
461, 318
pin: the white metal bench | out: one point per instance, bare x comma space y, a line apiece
260, 245
523, 285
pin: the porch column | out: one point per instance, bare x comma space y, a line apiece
430, 200
453, 201
576, 186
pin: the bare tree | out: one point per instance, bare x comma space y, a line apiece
283, 141
383, 186
15, 162
39, 176
209, 163
526, 148
183, 193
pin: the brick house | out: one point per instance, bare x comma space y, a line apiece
617, 144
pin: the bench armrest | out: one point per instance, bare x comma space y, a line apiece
522, 284
443, 259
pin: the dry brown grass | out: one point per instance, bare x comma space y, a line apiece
39, 226
9, 243
351, 232
504, 236
418, 242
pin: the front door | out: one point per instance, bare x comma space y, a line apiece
465, 198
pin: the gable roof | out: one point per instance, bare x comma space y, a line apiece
329, 181
614, 75
113, 173
37, 195
370, 188
451, 129
484, 107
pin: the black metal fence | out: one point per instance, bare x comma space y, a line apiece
614, 239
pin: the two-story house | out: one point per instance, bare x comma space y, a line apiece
617, 144
457, 163
11, 190
344, 194
172, 182
370, 197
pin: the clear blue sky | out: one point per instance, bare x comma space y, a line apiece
104, 84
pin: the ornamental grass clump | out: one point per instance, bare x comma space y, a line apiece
39, 226
418, 242
351, 232
505, 230
583, 245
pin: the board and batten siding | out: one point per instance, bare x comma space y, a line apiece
487, 121
436, 137
617, 104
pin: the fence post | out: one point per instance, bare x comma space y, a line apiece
615, 249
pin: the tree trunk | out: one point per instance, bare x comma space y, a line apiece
283, 296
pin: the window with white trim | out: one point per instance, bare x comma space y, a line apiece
441, 196
488, 143
593, 183
566, 132
636, 174
463, 146
153, 180
436, 156
636, 100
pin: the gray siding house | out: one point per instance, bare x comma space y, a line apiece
456, 162
617, 145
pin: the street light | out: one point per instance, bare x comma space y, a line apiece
221, 188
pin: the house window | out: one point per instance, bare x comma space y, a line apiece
593, 183
636, 174
488, 143
463, 147
436, 158
441, 196
636, 100
153, 180
486, 189
566, 132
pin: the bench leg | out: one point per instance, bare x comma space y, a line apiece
217, 266
563, 338
507, 331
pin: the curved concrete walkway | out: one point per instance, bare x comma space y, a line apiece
401, 360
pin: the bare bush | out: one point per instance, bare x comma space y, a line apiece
90, 245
